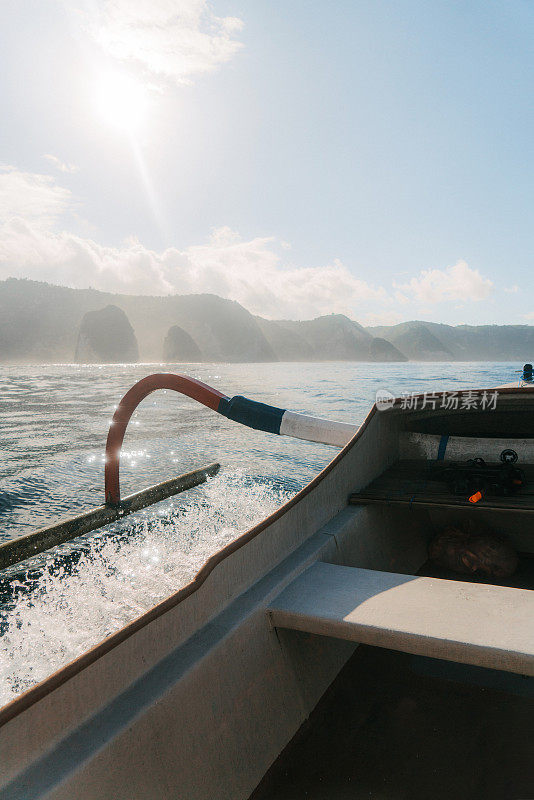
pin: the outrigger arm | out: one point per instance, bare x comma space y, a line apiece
239, 409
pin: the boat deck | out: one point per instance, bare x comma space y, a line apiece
401, 727
392, 727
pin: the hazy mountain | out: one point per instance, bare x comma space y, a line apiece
382, 350
44, 323
416, 340
40, 322
287, 343
431, 341
330, 338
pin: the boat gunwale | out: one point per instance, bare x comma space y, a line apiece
45, 687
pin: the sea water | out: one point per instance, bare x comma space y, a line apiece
53, 426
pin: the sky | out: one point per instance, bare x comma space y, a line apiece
303, 157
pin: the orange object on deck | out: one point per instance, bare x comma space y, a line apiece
475, 497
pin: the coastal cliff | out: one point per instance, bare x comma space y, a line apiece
42, 323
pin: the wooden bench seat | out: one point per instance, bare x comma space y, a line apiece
490, 626
406, 484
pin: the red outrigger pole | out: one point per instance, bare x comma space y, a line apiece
239, 409
161, 380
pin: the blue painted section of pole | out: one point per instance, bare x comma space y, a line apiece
286, 423
251, 413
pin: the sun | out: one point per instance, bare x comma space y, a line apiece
121, 101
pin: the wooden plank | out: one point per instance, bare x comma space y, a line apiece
37, 542
490, 626
451, 502
408, 492
405, 483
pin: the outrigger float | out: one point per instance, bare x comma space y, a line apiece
199, 696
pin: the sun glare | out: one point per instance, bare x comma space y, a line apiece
121, 102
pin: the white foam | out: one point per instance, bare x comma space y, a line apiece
69, 611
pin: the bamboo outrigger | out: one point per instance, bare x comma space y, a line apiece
198, 697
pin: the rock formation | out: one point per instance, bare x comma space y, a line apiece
106, 336
180, 346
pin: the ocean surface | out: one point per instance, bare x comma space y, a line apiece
53, 426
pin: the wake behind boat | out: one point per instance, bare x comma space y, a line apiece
199, 696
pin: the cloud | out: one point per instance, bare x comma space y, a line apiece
168, 39
31, 196
255, 272
62, 166
459, 282
250, 272
33, 251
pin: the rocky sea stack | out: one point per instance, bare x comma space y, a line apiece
180, 346
106, 336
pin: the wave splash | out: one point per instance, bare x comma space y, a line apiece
51, 620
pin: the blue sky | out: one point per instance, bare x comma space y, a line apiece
370, 158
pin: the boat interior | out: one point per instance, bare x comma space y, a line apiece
416, 726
